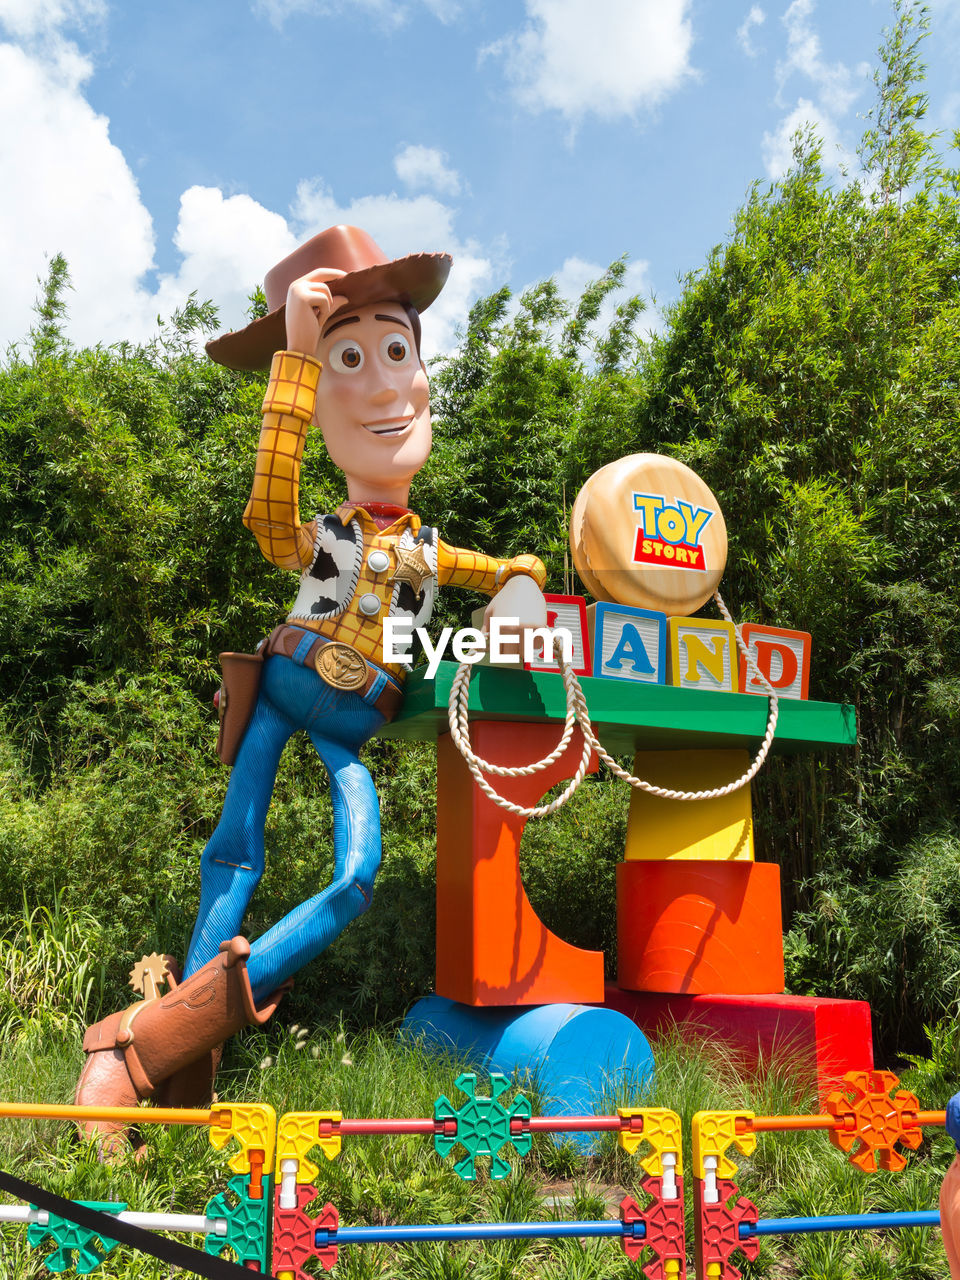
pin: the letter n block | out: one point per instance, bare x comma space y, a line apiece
569, 612
628, 643
703, 655
783, 657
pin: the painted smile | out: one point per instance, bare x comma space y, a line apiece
388, 426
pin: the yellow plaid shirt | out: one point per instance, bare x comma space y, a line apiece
273, 516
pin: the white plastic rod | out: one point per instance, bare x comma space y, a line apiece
288, 1184
23, 1213
669, 1184
710, 1193
193, 1222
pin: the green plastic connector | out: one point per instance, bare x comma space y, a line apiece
247, 1222
483, 1126
72, 1239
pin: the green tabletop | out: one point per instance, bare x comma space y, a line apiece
626, 716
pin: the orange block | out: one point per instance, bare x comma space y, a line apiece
782, 656
492, 948
699, 927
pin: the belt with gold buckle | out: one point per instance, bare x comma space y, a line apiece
339, 665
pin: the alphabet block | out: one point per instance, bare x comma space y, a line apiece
492, 948
628, 643
703, 654
783, 656
569, 612
562, 611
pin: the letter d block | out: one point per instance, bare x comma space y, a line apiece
782, 656
703, 654
628, 643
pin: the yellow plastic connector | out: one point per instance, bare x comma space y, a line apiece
299, 1133
661, 1130
253, 1126
713, 1133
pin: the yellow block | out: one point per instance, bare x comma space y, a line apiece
702, 654
705, 830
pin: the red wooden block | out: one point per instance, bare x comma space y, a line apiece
697, 926
492, 948
569, 612
832, 1036
783, 657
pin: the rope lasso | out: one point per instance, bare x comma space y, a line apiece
576, 709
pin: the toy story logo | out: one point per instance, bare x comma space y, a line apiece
669, 533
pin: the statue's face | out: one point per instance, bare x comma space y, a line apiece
373, 401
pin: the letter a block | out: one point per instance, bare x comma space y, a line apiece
783, 657
703, 654
628, 643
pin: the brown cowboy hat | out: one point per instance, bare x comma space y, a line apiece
371, 277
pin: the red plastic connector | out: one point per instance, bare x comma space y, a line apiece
717, 1228
630, 1212
295, 1233
665, 1231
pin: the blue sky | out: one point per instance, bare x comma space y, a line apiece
189, 144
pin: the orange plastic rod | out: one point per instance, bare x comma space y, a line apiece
931, 1117
142, 1115
767, 1124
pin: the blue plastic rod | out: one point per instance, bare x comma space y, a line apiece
411, 1233
839, 1222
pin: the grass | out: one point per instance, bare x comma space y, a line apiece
375, 1180
378, 1180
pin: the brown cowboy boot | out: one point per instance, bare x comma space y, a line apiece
130, 1053
192, 1086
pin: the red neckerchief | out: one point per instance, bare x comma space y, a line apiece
383, 514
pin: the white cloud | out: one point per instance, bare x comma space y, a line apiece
837, 86
755, 18
25, 19
75, 194
778, 145
576, 273
228, 245
613, 59
426, 167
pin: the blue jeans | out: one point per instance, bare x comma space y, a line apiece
291, 697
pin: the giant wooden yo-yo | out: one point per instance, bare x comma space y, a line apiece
645, 530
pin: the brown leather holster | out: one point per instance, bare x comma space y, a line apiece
239, 687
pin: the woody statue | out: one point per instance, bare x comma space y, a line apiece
348, 319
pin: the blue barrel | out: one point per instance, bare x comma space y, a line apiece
582, 1058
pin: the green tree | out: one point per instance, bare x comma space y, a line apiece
810, 372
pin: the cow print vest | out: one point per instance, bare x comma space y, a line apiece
328, 586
